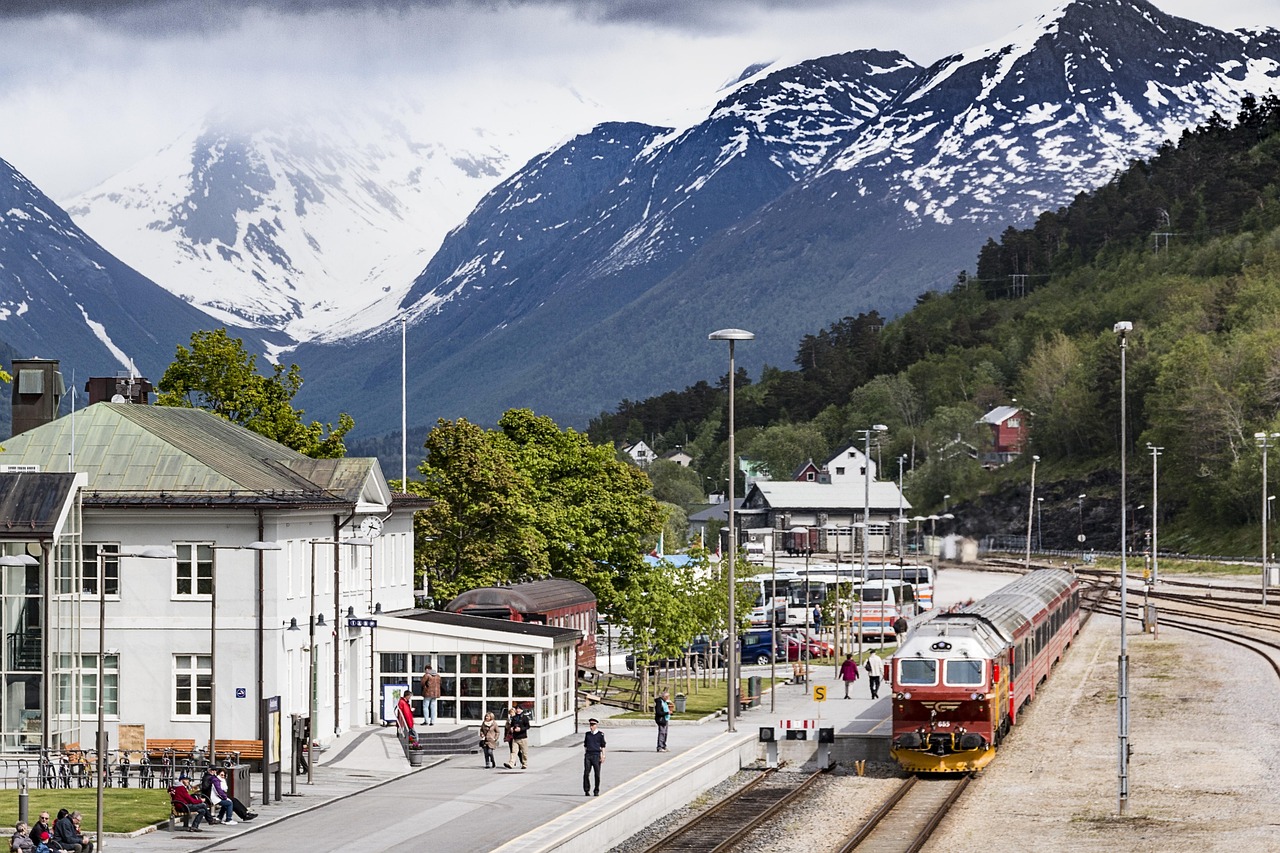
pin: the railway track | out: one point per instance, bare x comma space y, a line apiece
720, 828
908, 818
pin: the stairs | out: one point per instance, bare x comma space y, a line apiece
460, 741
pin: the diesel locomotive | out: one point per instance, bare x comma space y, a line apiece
960, 679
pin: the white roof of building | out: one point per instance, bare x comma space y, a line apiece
1000, 414
791, 494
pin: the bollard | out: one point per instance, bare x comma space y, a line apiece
860, 767
22, 795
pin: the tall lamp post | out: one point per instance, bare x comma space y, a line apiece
1155, 510
866, 517
1265, 440
149, 552
735, 657
1123, 329
1080, 518
213, 635
1040, 524
1031, 505
808, 614
315, 620
901, 519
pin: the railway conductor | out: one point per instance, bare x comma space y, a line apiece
593, 754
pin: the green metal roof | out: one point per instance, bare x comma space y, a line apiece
129, 450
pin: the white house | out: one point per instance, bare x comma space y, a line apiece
849, 466
640, 453
218, 639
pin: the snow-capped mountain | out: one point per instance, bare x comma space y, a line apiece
63, 296
758, 220
302, 220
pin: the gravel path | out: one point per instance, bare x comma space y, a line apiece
1204, 730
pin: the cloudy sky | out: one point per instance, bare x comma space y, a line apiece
88, 87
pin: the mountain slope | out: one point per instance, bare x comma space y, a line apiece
63, 296
978, 143
586, 230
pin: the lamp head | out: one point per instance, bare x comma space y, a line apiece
1122, 328
880, 428
731, 335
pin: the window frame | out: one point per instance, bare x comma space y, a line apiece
110, 569
190, 557
193, 665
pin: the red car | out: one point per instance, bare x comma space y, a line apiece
796, 643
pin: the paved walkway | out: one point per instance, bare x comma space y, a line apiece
364, 791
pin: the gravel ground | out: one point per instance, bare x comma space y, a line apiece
1204, 734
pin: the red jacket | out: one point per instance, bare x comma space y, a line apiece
181, 794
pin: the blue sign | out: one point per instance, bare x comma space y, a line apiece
362, 623
241, 692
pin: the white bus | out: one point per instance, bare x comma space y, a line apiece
770, 605
919, 576
878, 604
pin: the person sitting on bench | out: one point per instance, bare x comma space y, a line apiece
185, 801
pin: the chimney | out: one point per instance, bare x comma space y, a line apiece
124, 387
37, 392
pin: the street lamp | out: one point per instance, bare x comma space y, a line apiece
1080, 517
732, 336
311, 638
213, 637
866, 517
804, 653
1031, 504
1265, 440
1123, 329
1040, 524
901, 519
149, 552
1155, 511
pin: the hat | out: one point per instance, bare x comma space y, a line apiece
593, 721
184, 776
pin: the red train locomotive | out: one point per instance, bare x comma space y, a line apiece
555, 601
960, 678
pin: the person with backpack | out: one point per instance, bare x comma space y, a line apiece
662, 716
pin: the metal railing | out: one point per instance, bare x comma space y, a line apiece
77, 768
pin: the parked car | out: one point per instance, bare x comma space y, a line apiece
818, 648
698, 653
757, 647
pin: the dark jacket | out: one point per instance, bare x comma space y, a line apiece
518, 725
594, 743
65, 832
41, 833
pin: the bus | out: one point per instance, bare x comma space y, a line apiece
770, 605
878, 604
920, 576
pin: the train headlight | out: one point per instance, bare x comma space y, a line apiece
975, 695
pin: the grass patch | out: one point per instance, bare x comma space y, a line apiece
124, 809
703, 697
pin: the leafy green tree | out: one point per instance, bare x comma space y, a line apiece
783, 448
675, 484
219, 375
479, 528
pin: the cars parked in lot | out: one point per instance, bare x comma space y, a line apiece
697, 654
818, 648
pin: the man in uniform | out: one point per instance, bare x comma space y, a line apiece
593, 754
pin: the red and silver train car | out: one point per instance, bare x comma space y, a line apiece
556, 601
960, 678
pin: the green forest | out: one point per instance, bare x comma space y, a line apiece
1185, 245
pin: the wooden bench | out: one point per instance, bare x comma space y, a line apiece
157, 747
745, 700
249, 750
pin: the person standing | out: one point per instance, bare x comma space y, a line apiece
489, 739
875, 668
430, 693
518, 736
900, 627
817, 619
593, 756
848, 673
662, 716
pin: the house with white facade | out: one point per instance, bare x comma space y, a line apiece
284, 577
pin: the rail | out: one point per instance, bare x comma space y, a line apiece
906, 820
74, 767
721, 827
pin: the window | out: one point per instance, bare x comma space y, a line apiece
70, 681
839, 470
917, 671
1014, 423
964, 672
110, 567
192, 685
193, 573
809, 476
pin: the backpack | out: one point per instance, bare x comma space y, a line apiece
660, 711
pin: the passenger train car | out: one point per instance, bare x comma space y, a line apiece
960, 678
556, 601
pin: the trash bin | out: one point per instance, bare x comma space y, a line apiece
680, 703
753, 690
240, 785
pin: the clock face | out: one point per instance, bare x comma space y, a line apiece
370, 527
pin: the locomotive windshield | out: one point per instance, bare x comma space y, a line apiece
918, 671
964, 672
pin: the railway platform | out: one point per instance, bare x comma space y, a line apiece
542, 808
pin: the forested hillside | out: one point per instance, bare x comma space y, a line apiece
1186, 246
